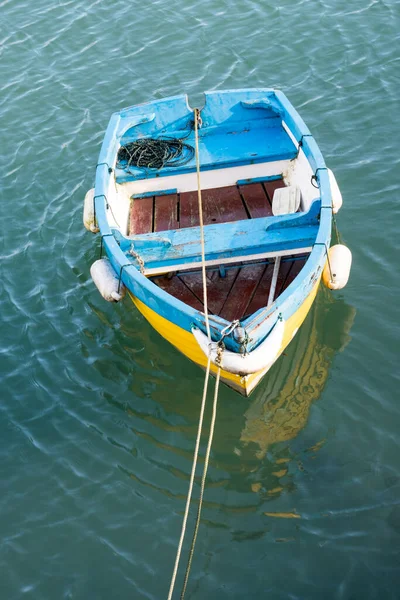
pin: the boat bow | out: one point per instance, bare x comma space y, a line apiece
257, 360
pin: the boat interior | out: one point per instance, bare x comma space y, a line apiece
248, 157
234, 290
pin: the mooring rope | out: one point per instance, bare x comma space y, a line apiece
197, 121
203, 483
154, 153
189, 496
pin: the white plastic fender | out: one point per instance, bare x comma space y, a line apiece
106, 280
89, 219
337, 199
245, 364
337, 269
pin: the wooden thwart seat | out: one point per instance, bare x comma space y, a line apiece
225, 243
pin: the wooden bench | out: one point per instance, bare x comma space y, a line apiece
225, 243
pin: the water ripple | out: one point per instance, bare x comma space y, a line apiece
99, 414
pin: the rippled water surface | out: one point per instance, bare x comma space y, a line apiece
98, 414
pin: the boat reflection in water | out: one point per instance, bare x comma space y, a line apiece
280, 409
248, 455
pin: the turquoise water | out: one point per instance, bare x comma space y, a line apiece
98, 414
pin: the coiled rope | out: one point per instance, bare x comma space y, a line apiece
154, 153
197, 122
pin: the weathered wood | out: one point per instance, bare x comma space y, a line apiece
179, 290
271, 186
141, 216
260, 296
188, 210
297, 265
218, 287
283, 273
242, 291
249, 237
256, 200
166, 212
220, 205
223, 262
223, 205
277, 265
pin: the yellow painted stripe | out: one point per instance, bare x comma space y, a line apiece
182, 339
186, 343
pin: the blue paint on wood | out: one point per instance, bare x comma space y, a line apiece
218, 150
228, 121
226, 240
258, 179
158, 193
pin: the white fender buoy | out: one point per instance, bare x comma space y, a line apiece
337, 268
89, 219
337, 199
245, 364
106, 280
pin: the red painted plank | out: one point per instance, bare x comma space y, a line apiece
256, 200
174, 286
235, 306
223, 205
141, 217
218, 287
260, 297
298, 264
166, 212
271, 186
284, 271
188, 210
220, 205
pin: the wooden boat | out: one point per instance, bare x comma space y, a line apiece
267, 202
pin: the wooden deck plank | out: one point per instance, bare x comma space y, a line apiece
176, 287
166, 212
271, 186
223, 205
260, 296
244, 289
284, 271
188, 210
141, 216
298, 264
242, 292
218, 287
256, 200
220, 205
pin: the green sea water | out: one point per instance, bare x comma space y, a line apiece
98, 414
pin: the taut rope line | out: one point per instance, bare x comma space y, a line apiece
203, 483
189, 496
197, 119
